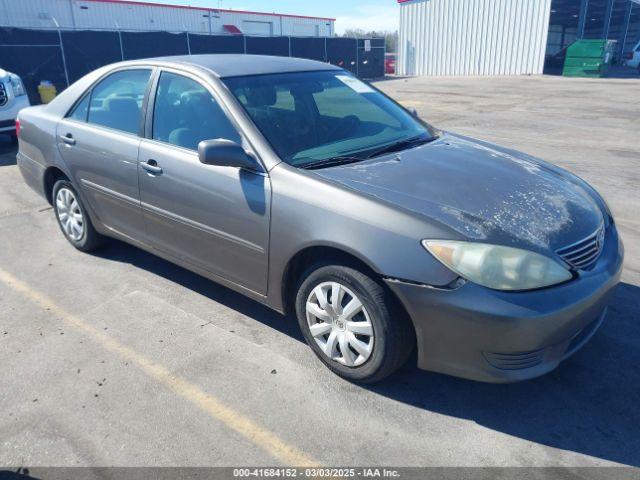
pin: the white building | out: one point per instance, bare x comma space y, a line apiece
472, 37
506, 37
142, 16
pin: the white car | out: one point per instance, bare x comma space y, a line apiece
13, 98
632, 58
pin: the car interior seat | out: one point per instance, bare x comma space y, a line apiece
201, 118
119, 112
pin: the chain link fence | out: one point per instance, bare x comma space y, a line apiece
63, 56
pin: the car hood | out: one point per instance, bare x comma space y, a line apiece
481, 191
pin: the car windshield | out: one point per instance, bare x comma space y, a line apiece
314, 116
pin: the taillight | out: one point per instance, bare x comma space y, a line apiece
17, 128
628, 55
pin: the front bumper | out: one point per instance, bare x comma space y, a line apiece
495, 336
7, 126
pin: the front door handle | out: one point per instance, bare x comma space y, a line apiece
151, 166
68, 139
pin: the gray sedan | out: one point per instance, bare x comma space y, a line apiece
308, 190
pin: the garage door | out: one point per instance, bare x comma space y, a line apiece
250, 27
305, 30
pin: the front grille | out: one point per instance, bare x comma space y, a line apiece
3, 95
515, 361
583, 254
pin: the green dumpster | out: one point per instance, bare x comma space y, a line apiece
588, 58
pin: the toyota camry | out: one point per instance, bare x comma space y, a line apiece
304, 188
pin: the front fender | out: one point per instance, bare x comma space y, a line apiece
310, 211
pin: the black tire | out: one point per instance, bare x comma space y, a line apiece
90, 239
394, 337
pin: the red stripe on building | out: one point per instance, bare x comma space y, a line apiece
186, 7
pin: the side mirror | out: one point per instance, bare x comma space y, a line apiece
225, 153
414, 112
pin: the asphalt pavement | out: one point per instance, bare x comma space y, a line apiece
119, 358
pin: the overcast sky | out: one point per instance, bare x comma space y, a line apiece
364, 14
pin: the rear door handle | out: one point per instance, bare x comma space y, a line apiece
151, 166
68, 139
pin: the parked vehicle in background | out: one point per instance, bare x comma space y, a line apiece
306, 189
632, 58
13, 98
390, 63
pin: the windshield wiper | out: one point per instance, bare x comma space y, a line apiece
346, 159
401, 145
331, 162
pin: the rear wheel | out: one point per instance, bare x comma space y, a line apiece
72, 217
352, 324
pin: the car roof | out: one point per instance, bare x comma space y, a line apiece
235, 65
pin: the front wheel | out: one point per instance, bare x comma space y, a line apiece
352, 323
72, 217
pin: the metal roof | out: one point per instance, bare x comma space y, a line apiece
189, 7
235, 65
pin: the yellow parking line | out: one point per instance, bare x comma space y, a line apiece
260, 436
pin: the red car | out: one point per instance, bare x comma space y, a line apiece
390, 63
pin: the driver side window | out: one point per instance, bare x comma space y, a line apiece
185, 113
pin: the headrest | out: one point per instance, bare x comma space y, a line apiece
116, 103
261, 96
195, 97
307, 88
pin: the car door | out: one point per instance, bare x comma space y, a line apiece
99, 142
215, 218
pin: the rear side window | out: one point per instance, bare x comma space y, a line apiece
185, 113
116, 101
81, 110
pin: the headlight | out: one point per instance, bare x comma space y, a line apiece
501, 268
17, 86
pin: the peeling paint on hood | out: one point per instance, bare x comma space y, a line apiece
481, 191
